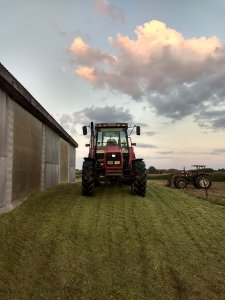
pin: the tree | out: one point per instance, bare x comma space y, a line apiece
152, 170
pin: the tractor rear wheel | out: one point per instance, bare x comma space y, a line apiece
88, 178
203, 182
139, 181
180, 183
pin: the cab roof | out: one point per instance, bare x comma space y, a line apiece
111, 125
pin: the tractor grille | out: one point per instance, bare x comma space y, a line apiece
113, 159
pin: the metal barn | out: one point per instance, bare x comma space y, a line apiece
35, 151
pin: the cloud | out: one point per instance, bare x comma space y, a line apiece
89, 56
176, 76
212, 116
87, 73
146, 146
149, 133
56, 26
107, 114
165, 152
110, 10
218, 151
73, 122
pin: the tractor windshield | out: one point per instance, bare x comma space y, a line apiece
112, 137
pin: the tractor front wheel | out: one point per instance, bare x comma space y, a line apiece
180, 183
88, 178
170, 180
139, 181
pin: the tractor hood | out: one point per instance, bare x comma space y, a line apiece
111, 149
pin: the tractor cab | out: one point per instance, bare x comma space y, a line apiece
111, 136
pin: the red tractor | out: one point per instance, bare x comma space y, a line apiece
198, 178
111, 158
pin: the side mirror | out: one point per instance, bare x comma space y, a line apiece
138, 130
84, 130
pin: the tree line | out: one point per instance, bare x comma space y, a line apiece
153, 170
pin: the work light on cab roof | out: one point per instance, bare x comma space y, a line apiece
111, 158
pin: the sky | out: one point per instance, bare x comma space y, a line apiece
158, 64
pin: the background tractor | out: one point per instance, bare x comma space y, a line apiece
198, 178
111, 158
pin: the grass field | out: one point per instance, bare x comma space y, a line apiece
61, 245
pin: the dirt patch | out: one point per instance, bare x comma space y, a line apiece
216, 193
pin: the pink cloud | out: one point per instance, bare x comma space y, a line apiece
174, 74
158, 58
110, 10
155, 42
79, 46
87, 73
87, 55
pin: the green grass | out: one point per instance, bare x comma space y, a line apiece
61, 245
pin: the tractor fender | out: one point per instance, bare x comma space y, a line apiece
136, 159
132, 164
89, 158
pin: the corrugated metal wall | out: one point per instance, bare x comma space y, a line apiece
27, 153
51, 157
71, 163
64, 164
33, 157
3, 118
10, 133
3, 145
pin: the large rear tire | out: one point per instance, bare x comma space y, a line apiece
88, 178
203, 182
139, 181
